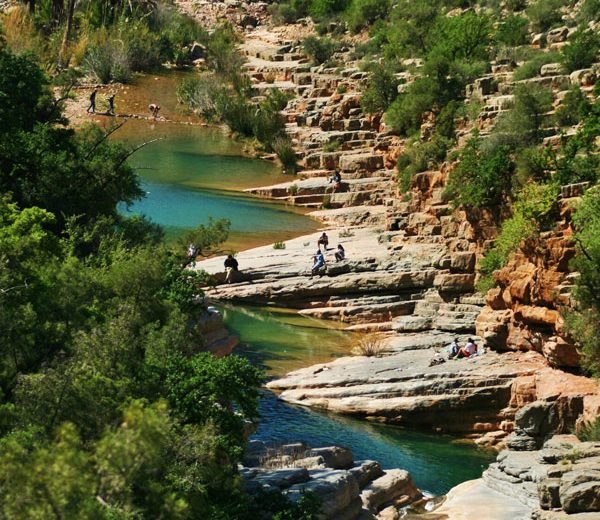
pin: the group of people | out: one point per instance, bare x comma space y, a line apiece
468, 350
319, 262
92, 107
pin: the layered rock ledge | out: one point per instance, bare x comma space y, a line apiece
347, 489
474, 397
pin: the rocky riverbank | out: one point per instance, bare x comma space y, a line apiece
347, 489
410, 273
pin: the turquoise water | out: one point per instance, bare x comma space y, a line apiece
281, 341
192, 173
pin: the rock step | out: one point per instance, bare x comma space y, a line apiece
371, 312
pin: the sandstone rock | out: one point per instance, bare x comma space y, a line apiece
363, 161
455, 282
393, 485
551, 69
561, 353
580, 491
366, 471
335, 457
557, 35
337, 489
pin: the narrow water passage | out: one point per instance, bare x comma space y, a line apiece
195, 173
282, 342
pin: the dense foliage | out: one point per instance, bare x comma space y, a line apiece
225, 95
110, 39
107, 410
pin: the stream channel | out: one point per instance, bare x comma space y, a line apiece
194, 173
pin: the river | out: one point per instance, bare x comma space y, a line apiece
194, 173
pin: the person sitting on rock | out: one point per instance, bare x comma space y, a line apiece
453, 349
340, 254
470, 349
336, 179
318, 263
231, 267
323, 240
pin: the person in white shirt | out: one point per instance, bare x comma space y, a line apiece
470, 349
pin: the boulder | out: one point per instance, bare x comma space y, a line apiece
391, 487
368, 161
336, 489
580, 491
558, 35
334, 456
366, 471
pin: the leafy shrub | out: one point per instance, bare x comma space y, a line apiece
381, 90
522, 124
589, 11
319, 49
332, 146
531, 68
583, 323
532, 209
574, 108
363, 13
284, 149
482, 177
513, 31
320, 9
581, 51
405, 113
107, 59
420, 156
590, 432
543, 14
279, 245
204, 94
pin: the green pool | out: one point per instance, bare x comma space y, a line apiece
282, 341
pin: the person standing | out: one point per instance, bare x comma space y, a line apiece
92, 107
231, 267
111, 105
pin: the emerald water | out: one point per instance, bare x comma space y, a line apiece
193, 173
282, 341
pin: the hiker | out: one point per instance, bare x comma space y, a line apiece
453, 349
191, 255
111, 105
323, 239
231, 267
340, 254
336, 178
92, 107
154, 109
319, 263
470, 349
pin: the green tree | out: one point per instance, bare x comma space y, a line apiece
581, 51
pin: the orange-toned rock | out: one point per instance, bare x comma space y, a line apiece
492, 326
560, 352
536, 315
454, 282
493, 299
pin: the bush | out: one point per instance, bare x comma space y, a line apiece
320, 9
531, 68
107, 58
574, 108
589, 11
482, 177
381, 90
363, 13
532, 209
204, 94
319, 49
369, 344
583, 323
405, 113
543, 14
590, 432
522, 125
513, 31
284, 149
279, 245
581, 51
